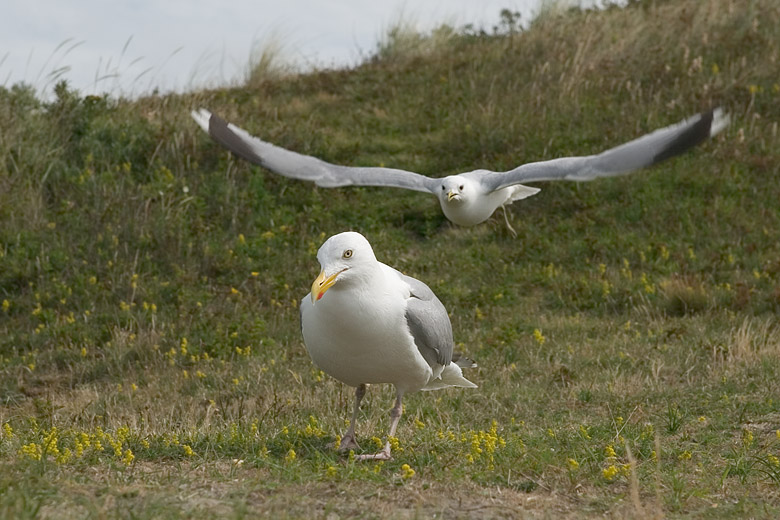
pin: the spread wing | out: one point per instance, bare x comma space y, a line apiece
429, 323
305, 167
645, 151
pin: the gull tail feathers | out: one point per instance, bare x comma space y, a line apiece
452, 375
720, 120
520, 192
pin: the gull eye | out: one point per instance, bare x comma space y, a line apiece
460, 187
443, 188
347, 254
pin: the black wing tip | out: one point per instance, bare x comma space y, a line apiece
217, 125
220, 131
697, 133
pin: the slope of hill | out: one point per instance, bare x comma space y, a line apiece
150, 354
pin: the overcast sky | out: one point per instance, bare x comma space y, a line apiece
130, 47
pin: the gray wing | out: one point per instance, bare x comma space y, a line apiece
429, 323
642, 152
305, 167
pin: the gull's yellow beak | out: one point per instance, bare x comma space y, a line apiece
322, 284
451, 195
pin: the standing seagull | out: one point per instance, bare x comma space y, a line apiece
376, 325
470, 198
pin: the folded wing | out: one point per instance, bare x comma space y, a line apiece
428, 323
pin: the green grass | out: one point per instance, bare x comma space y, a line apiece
151, 363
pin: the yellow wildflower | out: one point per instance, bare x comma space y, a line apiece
116, 446
290, 455
32, 450
609, 451
407, 471
476, 450
394, 444
128, 457
747, 438
64, 457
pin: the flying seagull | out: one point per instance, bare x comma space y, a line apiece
364, 322
471, 197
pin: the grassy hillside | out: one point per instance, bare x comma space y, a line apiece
151, 363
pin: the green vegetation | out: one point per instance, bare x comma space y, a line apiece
151, 363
